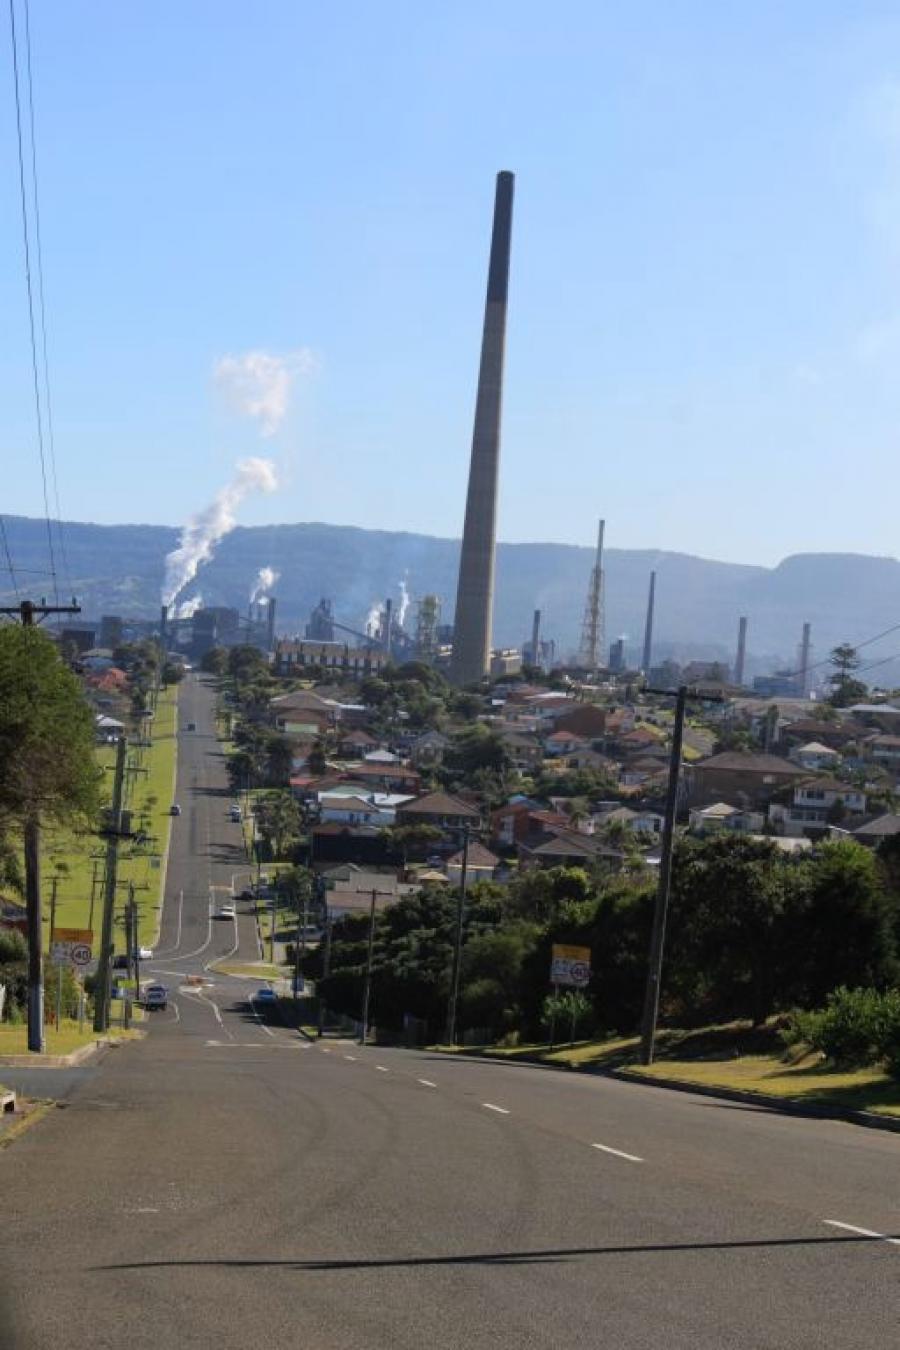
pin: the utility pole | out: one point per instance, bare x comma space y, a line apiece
367, 989
26, 612
457, 946
102, 991
658, 934
326, 971
660, 913
53, 889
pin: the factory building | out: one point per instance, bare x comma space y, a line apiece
293, 655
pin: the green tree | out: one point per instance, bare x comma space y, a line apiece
278, 821
215, 661
846, 689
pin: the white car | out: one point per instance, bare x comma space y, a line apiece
228, 910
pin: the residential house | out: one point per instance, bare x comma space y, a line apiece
565, 743
108, 729
584, 719
564, 848
524, 750
441, 810
883, 750
386, 777
429, 749
813, 805
739, 777
640, 822
481, 864
356, 744
353, 810
721, 817
874, 831
815, 757
294, 655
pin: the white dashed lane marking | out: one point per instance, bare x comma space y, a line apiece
862, 1232
501, 1110
617, 1153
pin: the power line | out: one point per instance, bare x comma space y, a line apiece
39, 253
29, 289
9, 561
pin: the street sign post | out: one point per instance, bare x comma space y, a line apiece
71, 946
570, 966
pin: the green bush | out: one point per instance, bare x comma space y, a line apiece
857, 1027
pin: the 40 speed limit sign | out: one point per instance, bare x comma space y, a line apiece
71, 946
570, 965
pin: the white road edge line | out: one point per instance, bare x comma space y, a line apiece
617, 1153
863, 1232
255, 1011
501, 1110
426, 1082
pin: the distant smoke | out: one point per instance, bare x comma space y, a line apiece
373, 620
188, 608
265, 580
204, 530
404, 602
258, 384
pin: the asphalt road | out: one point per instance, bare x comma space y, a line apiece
226, 1183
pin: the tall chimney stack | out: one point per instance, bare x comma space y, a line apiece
648, 626
536, 639
741, 651
803, 682
163, 626
475, 587
388, 620
270, 624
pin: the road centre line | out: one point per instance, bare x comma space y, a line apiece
352, 1058
617, 1153
426, 1082
862, 1232
381, 1068
501, 1110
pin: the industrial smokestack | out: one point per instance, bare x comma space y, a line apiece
163, 625
648, 626
270, 620
741, 652
803, 681
388, 623
536, 639
475, 587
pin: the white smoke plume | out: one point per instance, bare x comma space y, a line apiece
204, 530
404, 601
265, 580
188, 608
258, 384
373, 620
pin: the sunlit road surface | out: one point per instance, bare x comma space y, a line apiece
227, 1183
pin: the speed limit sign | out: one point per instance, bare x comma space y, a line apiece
80, 954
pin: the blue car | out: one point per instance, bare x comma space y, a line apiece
266, 995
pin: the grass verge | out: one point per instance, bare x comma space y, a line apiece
734, 1057
14, 1037
77, 859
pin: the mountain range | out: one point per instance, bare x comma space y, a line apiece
118, 569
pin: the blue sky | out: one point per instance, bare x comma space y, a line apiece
704, 328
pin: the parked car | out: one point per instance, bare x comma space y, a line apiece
265, 995
235, 814
120, 962
227, 910
174, 809
145, 953
155, 996
192, 726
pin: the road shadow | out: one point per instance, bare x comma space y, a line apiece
541, 1256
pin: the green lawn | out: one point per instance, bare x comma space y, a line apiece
14, 1038
149, 796
735, 1057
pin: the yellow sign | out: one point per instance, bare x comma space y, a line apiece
73, 935
563, 953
